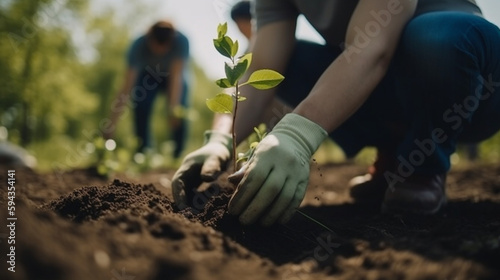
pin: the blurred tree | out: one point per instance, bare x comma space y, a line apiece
53, 98
42, 91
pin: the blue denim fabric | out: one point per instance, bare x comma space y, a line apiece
143, 96
443, 86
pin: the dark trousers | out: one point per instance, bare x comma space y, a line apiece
143, 96
443, 86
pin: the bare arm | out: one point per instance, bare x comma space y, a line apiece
271, 49
350, 79
119, 104
175, 85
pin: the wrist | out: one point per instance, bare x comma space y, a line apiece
177, 111
213, 136
308, 133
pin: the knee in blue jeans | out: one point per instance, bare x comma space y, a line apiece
438, 40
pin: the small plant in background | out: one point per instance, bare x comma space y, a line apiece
106, 163
258, 136
235, 69
110, 159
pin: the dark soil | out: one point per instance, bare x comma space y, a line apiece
79, 226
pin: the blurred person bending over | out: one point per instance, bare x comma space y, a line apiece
155, 61
411, 78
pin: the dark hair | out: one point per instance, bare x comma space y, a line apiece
161, 32
241, 10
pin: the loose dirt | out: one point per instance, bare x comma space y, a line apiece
76, 225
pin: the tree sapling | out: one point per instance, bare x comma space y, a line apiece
260, 79
228, 104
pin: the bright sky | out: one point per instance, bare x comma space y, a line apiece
198, 20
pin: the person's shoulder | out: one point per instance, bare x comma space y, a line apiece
141, 40
138, 43
179, 36
181, 40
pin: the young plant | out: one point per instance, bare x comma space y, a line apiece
260, 79
228, 104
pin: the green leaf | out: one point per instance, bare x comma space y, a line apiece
241, 98
233, 74
264, 79
248, 154
247, 57
234, 48
223, 83
221, 30
242, 158
257, 131
254, 145
221, 103
224, 46
260, 132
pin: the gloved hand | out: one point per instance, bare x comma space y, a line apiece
275, 178
202, 165
175, 116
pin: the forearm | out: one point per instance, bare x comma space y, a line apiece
176, 84
175, 91
118, 106
342, 89
121, 100
350, 79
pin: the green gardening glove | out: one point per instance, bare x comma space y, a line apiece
276, 176
202, 165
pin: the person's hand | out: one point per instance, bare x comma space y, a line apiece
175, 116
202, 165
107, 135
275, 178
174, 122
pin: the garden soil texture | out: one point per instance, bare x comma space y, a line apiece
76, 225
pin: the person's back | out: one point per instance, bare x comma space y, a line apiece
142, 58
331, 17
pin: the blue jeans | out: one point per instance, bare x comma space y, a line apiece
442, 87
143, 96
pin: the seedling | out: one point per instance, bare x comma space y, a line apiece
228, 103
235, 69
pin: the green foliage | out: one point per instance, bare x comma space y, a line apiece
53, 101
264, 79
260, 79
259, 134
223, 83
43, 88
221, 103
234, 73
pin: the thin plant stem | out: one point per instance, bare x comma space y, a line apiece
316, 221
235, 161
233, 128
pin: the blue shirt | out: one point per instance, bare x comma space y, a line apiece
139, 56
